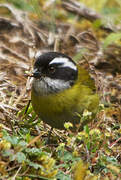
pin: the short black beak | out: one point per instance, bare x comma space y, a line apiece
36, 74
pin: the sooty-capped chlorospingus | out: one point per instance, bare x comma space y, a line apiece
61, 90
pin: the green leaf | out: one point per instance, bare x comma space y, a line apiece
20, 157
67, 156
33, 176
111, 38
34, 165
88, 145
86, 129
97, 23
112, 160
21, 4
63, 176
34, 151
79, 55
22, 143
12, 139
7, 153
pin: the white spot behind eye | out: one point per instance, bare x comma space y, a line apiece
65, 62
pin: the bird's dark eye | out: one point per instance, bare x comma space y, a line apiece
51, 69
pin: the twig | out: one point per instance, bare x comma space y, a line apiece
2, 106
34, 140
14, 177
13, 52
113, 144
81, 10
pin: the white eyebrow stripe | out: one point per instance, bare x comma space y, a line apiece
66, 62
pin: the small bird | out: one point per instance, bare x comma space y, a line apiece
62, 90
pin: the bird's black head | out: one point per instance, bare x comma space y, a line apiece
56, 66
57, 70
